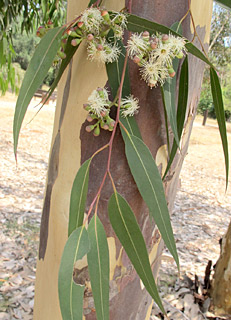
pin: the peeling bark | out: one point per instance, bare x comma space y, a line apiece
221, 288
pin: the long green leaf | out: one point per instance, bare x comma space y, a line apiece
181, 109
128, 232
39, 65
70, 293
224, 3
114, 72
78, 197
220, 114
98, 266
149, 183
137, 24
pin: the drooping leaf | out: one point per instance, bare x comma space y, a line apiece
114, 72
37, 70
149, 183
78, 197
224, 3
220, 114
181, 109
70, 293
98, 266
138, 24
128, 232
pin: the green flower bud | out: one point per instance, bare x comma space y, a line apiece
75, 42
105, 15
89, 128
61, 54
165, 38
96, 132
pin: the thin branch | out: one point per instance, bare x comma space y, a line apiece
216, 36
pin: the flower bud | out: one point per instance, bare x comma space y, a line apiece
136, 59
89, 118
86, 106
61, 54
153, 44
96, 132
90, 37
165, 38
41, 31
50, 24
75, 42
105, 126
89, 128
103, 113
111, 125
80, 24
105, 15
100, 47
172, 74
145, 35
152, 83
72, 33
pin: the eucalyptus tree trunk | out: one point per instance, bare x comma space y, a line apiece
221, 288
72, 145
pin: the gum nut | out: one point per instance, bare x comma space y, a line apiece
90, 37
136, 59
145, 34
100, 47
89, 128
172, 74
89, 119
165, 37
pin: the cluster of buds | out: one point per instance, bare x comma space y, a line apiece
42, 30
98, 107
94, 25
154, 55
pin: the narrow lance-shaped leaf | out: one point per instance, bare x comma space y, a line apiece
70, 293
220, 114
114, 72
128, 232
37, 70
78, 197
149, 183
98, 266
138, 24
181, 109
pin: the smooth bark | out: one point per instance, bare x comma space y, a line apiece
72, 145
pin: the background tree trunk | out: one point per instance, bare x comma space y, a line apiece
71, 145
221, 288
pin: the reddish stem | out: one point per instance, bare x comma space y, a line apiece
110, 144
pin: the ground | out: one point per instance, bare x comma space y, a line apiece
200, 217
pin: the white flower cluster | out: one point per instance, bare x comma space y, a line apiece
154, 55
94, 25
98, 107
